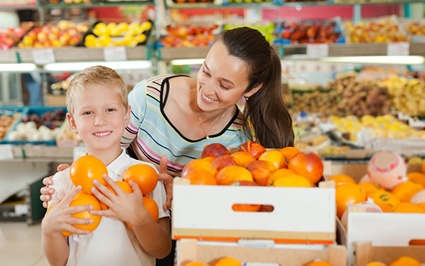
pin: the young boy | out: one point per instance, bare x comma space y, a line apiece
98, 111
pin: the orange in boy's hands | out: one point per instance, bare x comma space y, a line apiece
143, 175
123, 185
84, 199
85, 169
151, 207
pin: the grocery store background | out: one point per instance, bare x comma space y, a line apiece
331, 50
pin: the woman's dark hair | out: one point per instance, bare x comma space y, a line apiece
265, 110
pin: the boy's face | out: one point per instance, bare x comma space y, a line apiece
100, 119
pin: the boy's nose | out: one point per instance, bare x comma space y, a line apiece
100, 120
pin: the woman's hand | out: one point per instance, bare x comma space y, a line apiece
127, 207
47, 192
168, 181
59, 218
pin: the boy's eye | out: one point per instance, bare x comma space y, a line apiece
87, 113
110, 110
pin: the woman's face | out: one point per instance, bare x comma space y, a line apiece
222, 80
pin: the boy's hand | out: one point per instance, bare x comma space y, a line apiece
168, 181
123, 206
59, 218
47, 192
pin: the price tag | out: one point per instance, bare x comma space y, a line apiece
317, 50
398, 48
6, 152
118, 53
79, 151
43, 56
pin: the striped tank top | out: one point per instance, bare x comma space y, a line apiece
150, 135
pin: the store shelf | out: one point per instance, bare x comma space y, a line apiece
370, 49
101, 4
69, 54
18, 6
171, 5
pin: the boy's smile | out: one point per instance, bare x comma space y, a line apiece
100, 119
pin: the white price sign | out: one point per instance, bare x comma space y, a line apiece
6, 152
317, 50
118, 53
398, 48
43, 56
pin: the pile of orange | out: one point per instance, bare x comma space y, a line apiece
254, 165
88, 168
397, 200
227, 261
402, 261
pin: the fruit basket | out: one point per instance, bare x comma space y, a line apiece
378, 30
289, 222
367, 253
10, 36
189, 250
103, 34
8, 118
188, 36
329, 31
37, 125
416, 28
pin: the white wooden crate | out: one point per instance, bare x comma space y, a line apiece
300, 215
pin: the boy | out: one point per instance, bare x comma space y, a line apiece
98, 111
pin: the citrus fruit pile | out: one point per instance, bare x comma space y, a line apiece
88, 168
227, 261
402, 261
253, 165
406, 197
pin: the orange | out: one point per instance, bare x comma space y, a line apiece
369, 187
406, 190
347, 194
385, 200
151, 207
246, 207
85, 169
376, 263
244, 158
199, 164
292, 181
279, 174
227, 262
84, 199
210, 159
214, 150
342, 179
405, 261
289, 153
143, 175
253, 148
201, 177
417, 242
275, 157
320, 263
196, 263
422, 204
417, 177
261, 171
407, 207
231, 174
308, 165
124, 186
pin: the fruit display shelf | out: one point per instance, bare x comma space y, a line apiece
47, 4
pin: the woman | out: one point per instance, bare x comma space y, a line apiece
177, 115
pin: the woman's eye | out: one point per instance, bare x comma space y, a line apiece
221, 85
205, 73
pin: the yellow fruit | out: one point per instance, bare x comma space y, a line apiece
405, 261
385, 200
292, 181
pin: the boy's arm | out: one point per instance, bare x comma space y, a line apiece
55, 248
153, 236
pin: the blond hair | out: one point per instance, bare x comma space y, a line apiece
95, 75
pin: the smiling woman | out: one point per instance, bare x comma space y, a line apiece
176, 115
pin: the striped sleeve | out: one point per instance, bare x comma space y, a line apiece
137, 102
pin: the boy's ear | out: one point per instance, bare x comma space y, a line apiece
127, 116
71, 123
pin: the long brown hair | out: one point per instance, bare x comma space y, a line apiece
265, 110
